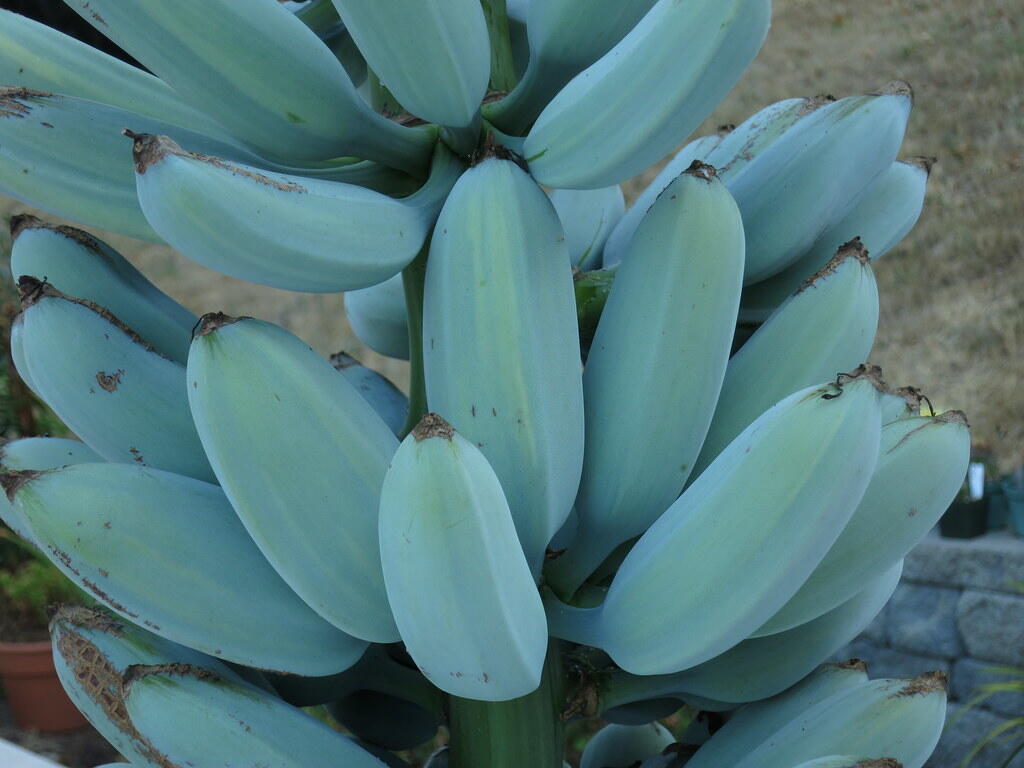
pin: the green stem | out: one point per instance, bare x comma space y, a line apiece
381, 99
503, 68
413, 278
511, 734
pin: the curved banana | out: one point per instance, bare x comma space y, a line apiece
122, 397
809, 178
36, 56
379, 319
588, 217
262, 74
670, 314
501, 346
886, 211
168, 552
789, 482
625, 745
620, 238
642, 711
92, 650
562, 42
38, 453
761, 667
230, 723
921, 465
433, 55
752, 723
827, 326
80, 265
578, 143
384, 397
283, 230
901, 719
459, 585
301, 457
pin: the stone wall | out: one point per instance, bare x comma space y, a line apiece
959, 608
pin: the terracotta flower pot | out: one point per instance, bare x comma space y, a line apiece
34, 694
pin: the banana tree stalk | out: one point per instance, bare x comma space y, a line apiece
413, 277
503, 70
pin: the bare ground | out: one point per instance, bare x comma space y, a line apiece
952, 316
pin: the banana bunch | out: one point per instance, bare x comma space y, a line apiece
641, 461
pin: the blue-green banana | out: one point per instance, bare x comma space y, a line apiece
501, 346
790, 483
886, 211
262, 74
284, 230
623, 745
670, 315
921, 465
383, 396
301, 457
849, 761
117, 393
564, 39
378, 317
662, 79
169, 553
80, 265
744, 143
459, 585
588, 217
433, 55
828, 325
808, 179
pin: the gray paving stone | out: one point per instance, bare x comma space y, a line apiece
963, 733
922, 619
969, 675
992, 626
994, 561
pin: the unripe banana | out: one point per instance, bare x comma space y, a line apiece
433, 55
670, 314
168, 552
501, 346
765, 666
921, 465
886, 211
751, 724
578, 143
827, 326
588, 217
901, 719
622, 235
80, 265
459, 585
38, 453
379, 319
284, 230
229, 722
808, 179
790, 482
622, 745
122, 397
301, 457
383, 396
259, 72
563, 42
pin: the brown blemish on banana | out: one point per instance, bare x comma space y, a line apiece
922, 685
432, 425
702, 170
342, 360
213, 321
924, 163
109, 381
99, 19
882, 762
866, 371
138, 671
32, 290
25, 221
149, 149
814, 103
12, 100
104, 597
98, 677
949, 417
854, 249
858, 665
896, 88
13, 481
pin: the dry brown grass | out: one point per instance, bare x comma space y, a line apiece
952, 317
